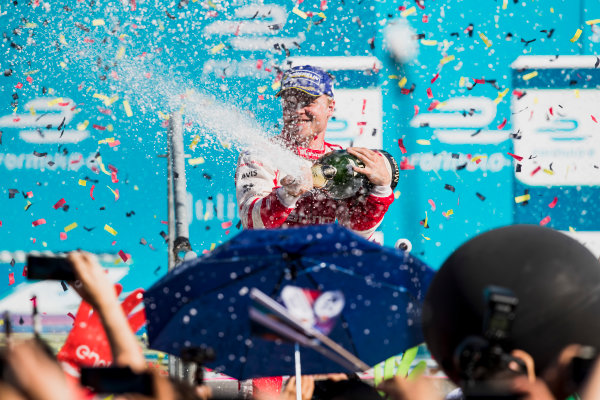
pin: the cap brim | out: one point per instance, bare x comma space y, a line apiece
297, 88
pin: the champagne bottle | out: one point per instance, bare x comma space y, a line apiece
335, 175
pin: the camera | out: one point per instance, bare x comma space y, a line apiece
484, 361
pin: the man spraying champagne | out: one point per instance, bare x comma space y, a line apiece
267, 199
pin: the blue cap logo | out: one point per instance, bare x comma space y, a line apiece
309, 79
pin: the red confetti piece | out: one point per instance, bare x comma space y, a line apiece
401, 8
323, 5
261, 97
133, 5
88, 40
25, 270
92, 192
482, 81
501, 126
112, 168
420, 5
113, 243
433, 105
59, 204
545, 221
416, 110
29, 195
551, 112
105, 111
11, 278
517, 93
29, 79
516, 157
364, 105
16, 119
405, 91
361, 123
435, 77
71, 315
425, 18
99, 127
553, 204
113, 177
227, 232
432, 204
19, 85
401, 145
594, 119
429, 93
123, 256
115, 143
404, 164
117, 195
259, 64
63, 236
37, 222
535, 171
78, 160
226, 225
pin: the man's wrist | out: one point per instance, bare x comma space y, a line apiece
288, 200
381, 190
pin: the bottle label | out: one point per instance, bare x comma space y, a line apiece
319, 179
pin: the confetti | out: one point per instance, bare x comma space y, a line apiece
447, 59
450, 188
405, 164
535, 171
432, 204
37, 222
481, 197
402, 81
97, 22
127, 108
576, 36
522, 198
425, 237
114, 192
70, 227
429, 93
82, 182
196, 161
516, 157
530, 75
63, 236
299, 13
226, 224
408, 12
401, 145
11, 278
448, 213
28, 205
485, 40
60, 203
553, 203
427, 42
123, 256
502, 125
545, 221
423, 142
110, 230
92, 192
593, 21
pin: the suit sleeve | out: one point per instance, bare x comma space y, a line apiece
262, 202
364, 214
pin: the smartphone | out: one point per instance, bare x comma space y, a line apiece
49, 268
117, 380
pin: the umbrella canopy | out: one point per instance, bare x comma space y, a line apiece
205, 301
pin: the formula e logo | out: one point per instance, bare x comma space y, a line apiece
46, 122
84, 353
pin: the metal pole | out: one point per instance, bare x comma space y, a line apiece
178, 225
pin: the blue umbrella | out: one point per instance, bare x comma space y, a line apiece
205, 301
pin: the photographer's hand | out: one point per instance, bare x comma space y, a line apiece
398, 388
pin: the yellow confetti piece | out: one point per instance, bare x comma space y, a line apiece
83, 125
276, 85
135, 187
120, 53
102, 167
82, 182
299, 13
70, 227
114, 193
110, 230
162, 115
593, 21
477, 158
98, 22
110, 127
61, 39
196, 161
111, 100
100, 96
28, 205
322, 15
402, 82
530, 75
500, 96
55, 101
485, 40
45, 244
30, 25
571, 229
504, 4
423, 142
577, 93
62, 64
521, 199
397, 194
127, 108
212, 246
195, 142
408, 11
426, 218
32, 111
261, 89
427, 42
576, 36
449, 212
217, 48
107, 140
425, 237
461, 81
548, 171
35, 71
447, 59
393, 76
552, 10
211, 4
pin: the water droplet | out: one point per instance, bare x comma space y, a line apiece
193, 311
186, 319
244, 291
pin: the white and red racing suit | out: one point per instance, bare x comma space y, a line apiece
263, 203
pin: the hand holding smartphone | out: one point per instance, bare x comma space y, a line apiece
49, 268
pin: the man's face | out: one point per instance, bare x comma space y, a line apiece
305, 116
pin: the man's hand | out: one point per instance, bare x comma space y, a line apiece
297, 186
92, 282
375, 168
